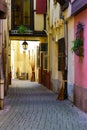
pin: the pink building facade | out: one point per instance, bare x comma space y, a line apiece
80, 86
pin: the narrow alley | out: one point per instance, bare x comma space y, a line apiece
31, 106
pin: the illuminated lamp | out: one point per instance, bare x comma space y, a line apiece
25, 45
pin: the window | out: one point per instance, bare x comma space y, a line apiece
38, 56
61, 54
22, 13
44, 49
45, 59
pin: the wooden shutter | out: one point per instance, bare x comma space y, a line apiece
41, 6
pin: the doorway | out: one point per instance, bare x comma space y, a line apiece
62, 64
24, 62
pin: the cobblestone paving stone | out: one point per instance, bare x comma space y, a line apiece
31, 106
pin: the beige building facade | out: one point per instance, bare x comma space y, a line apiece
61, 25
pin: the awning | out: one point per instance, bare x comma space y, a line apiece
78, 6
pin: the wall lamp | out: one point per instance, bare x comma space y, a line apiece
25, 45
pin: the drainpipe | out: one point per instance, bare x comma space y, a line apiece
1, 71
66, 50
65, 36
66, 41
66, 55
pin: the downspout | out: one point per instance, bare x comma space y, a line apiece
1, 69
66, 41
66, 56
65, 35
66, 49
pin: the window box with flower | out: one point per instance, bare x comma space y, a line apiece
77, 47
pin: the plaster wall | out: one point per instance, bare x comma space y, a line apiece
54, 13
51, 13
70, 59
56, 75
1, 44
57, 32
38, 20
54, 65
80, 87
1, 29
9, 13
7, 50
81, 67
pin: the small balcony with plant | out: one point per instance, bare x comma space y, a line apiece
78, 43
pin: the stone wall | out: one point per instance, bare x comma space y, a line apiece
80, 97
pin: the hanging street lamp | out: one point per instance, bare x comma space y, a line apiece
25, 45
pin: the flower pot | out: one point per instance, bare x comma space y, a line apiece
79, 51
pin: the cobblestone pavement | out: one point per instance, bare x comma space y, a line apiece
30, 106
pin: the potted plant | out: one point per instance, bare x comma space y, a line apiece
77, 47
22, 29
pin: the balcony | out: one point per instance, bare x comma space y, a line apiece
3, 9
63, 3
78, 5
31, 33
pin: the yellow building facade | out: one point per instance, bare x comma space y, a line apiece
61, 24
23, 62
